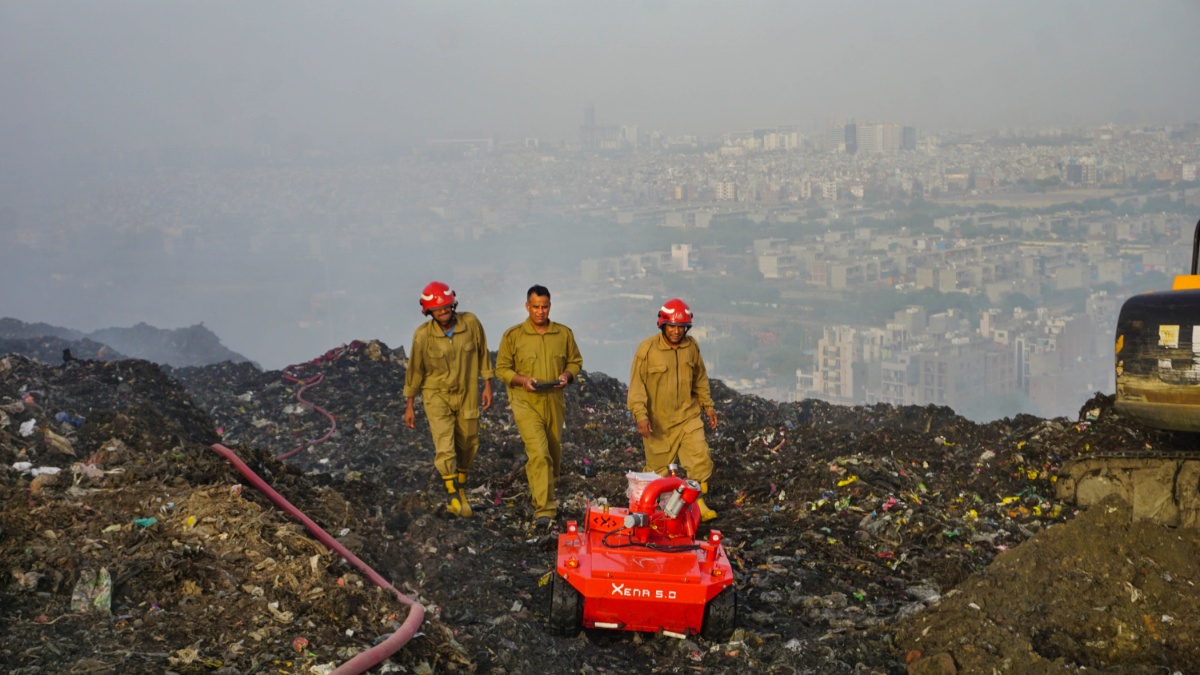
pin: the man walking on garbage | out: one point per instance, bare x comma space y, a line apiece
449, 356
537, 359
668, 392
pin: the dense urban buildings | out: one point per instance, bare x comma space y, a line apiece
785, 236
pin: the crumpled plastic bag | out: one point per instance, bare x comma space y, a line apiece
638, 480
93, 592
60, 443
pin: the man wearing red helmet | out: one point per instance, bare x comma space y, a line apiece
449, 356
537, 359
668, 393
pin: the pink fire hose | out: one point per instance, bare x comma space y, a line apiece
374, 656
316, 379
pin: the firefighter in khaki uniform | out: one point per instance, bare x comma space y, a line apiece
537, 359
668, 392
449, 355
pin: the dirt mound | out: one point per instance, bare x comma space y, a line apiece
850, 530
1104, 591
50, 349
182, 347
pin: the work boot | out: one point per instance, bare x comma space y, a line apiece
457, 504
462, 493
706, 514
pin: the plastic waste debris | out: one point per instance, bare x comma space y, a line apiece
93, 592
60, 443
27, 581
67, 418
638, 480
27, 428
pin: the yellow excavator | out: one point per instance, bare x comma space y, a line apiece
1158, 386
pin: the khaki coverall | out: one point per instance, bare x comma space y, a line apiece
670, 388
541, 415
446, 372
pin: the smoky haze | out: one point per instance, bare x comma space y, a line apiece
86, 77
260, 167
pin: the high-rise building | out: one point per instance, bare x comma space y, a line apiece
851, 138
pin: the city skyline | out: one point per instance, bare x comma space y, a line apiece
286, 172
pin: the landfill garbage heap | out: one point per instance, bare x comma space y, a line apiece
872, 539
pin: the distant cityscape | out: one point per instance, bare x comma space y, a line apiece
856, 262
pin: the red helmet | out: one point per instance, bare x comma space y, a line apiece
676, 313
435, 296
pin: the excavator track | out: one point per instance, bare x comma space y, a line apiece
1160, 486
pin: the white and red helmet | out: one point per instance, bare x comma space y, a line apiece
435, 296
675, 312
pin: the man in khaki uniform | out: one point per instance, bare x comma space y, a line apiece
449, 355
537, 359
668, 393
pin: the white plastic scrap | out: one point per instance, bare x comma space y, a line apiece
80, 469
184, 657
279, 615
27, 428
1134, 593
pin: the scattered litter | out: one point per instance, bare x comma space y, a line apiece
93, 592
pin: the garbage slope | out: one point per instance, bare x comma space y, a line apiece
854, 532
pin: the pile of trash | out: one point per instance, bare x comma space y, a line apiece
191, 346
873, 539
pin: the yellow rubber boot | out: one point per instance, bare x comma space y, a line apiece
706, 514
455, 506
462, 494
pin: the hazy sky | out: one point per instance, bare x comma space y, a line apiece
112, 74
84, 79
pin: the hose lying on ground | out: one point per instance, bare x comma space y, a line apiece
300, 397
416, 614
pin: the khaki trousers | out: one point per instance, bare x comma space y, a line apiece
540, 420
455, 431
684, 442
